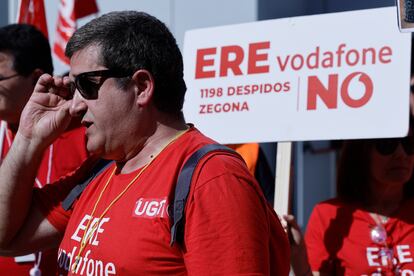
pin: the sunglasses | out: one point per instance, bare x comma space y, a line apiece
388, 146
88, 85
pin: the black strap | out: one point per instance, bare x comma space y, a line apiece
183, 188
78, 189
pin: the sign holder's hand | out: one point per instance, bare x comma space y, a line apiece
299, 257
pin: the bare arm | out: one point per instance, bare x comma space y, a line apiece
44, 118
36, 234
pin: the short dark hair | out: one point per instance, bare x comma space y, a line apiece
354, 172
131, 40
29, 48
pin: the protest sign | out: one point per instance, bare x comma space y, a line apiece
331, 76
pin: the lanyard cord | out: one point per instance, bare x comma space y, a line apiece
90, 229
35, 270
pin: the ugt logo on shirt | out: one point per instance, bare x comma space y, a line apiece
151, 208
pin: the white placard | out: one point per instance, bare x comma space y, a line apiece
332, 76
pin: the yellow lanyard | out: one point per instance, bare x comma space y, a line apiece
89, 231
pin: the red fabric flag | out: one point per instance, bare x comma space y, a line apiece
84, 8
69, 12
33, 12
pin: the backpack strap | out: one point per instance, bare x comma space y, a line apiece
183, 188
99, 167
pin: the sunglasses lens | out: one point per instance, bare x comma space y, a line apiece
408, 144
386, 146
88, 83
87, 88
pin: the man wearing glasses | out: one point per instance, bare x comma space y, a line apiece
127, 84
24, 57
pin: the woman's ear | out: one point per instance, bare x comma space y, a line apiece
143, 82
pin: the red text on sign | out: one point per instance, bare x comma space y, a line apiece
338, 58
231, 58
211, 92
329, 94
263, 88
223, 107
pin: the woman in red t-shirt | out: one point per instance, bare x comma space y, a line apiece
369, 228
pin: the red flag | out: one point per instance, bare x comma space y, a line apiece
84, 8
69, 12
33, 12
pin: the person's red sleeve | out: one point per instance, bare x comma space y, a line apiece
226, 228
48, 199
318, 254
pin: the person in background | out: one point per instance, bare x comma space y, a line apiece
24, 56
127, 81
259, 167
369, 228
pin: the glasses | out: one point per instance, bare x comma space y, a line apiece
87, 84
379, 237
388, 146
8, 77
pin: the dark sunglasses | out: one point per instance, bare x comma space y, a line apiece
388, 146
88, 87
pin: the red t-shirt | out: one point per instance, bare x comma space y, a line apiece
227, 230
61, 158
338, 240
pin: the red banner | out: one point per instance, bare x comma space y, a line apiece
33, 12
69, 12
